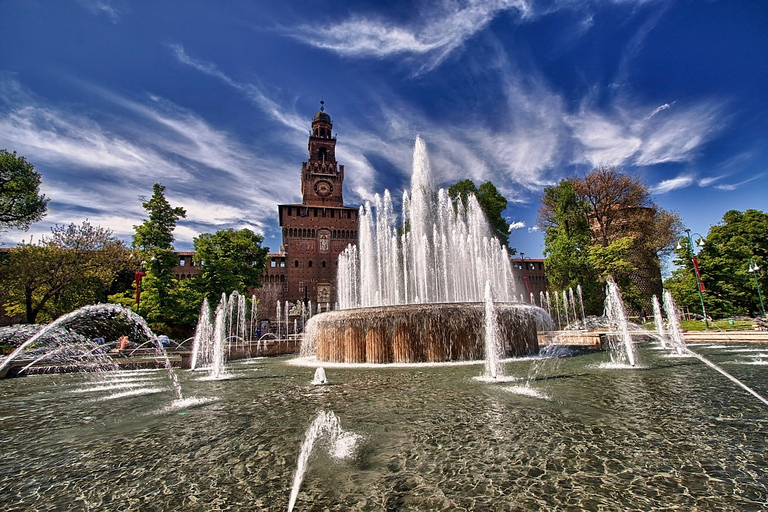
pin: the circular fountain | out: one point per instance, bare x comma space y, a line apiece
416, 294
419, 333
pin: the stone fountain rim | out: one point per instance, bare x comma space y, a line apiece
411, 308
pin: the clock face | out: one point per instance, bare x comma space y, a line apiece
323, 188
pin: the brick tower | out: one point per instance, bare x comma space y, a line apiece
316, 231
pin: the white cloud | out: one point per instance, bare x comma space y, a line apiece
707, 181
101, 7
516, 225
621, 135
437, 32
251, 91
98, 169
672, 184
533, 229
734, 186
57, 137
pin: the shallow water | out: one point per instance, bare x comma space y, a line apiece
672, 435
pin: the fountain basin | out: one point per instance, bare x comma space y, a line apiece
416, 333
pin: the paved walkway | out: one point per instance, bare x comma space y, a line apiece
725, 336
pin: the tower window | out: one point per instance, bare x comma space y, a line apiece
323, 263
296, 263
310, 264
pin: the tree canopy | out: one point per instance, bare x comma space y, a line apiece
71, 268
153, 242
229, 261
21, 203
730, 247
605, 224
491, 201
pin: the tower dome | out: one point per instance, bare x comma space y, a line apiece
322, 115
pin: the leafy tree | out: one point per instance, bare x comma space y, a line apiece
153, 242
622, 229
491, 201
724, 266
229, 260
72, 267
21, 203
567, 241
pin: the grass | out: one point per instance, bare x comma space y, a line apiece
718, 325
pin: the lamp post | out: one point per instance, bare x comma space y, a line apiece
753, 268
700, 288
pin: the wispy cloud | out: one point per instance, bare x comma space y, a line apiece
516, 225
60, 138
90, 165
436, 32
623, 136
251, 91
101, 7
734, 186
673, 184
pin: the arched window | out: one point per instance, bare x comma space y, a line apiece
310, 264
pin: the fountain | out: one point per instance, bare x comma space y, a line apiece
341, 445
417, 296
67, 341
623, 351
222, 336
658, 321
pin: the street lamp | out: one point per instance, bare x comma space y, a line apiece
753, 268
700, 242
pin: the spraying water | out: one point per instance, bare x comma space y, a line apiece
676, 336
493, 367
674, 333
319, 378
658, 321
341, 445
203, 336
623, 350
428, 263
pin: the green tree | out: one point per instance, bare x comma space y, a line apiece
153, 242
622, 232
567, 242
229, 261
724, 266
491, 201
21, 203
72, 267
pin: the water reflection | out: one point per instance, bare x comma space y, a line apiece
674, 435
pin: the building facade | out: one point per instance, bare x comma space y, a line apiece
314, 231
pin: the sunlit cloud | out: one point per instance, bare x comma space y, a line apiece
621, 136
436, 33
100, 170
728, 187
516, 225
672, 184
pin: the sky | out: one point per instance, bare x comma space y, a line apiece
214, 100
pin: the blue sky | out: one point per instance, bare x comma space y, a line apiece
215, 99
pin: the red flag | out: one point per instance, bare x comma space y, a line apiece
698, 274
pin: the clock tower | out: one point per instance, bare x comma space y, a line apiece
316, 231
321, 176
